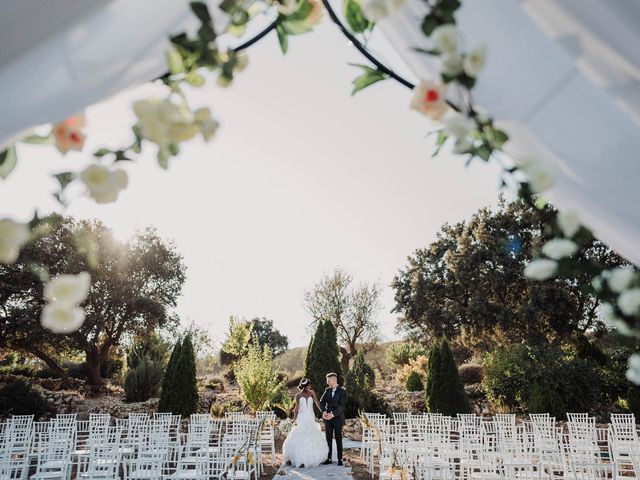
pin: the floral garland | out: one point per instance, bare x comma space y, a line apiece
168, 122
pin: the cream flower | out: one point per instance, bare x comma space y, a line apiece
103, 184
374, 10
458, 125
525, 161
559, 248
429, 99
569, 222
610, 318
287, 7
452, 64
474, 61
541, 269
629, 302
13, 236
68, 289
445, 38
68, 135
540, 178
463, 145
61, 317
633, 373
163, 122
206, 123
620, 278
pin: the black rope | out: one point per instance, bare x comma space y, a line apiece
258, 37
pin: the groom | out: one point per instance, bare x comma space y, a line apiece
333, 403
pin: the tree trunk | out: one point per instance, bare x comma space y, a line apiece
53, 365
345, 356
93, 366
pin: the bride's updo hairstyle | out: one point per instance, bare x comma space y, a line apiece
304, 383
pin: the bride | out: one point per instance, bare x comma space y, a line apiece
305, 446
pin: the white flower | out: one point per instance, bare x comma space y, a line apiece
596, 283
540, 178
541, 269
610, 318
163, 122
458, 125
633, 373
452, 64
103, 184
68, 289
629, 302
620, 278
374, 10
61, 317
569, 222
559, 248
429, 98
287, 7
13, 236
207, 124
474, 61
445, 38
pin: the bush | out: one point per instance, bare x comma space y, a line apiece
418, 365
322, 356
506, 370
633, 400
471, 373
543, 399
444, 390
218, 409
19, 398
179, 393
258, 377
359, 382
143, 381
400, 354
149, 347
22, 370
414, 382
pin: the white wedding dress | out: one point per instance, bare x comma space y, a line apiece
306, 444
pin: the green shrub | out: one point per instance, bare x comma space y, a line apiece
471, 373
258, 377
359, 383
218, 409
19, 398
322, 356
149, 347
168, 393
22, 370
400, 354
576, 381
414, 383
444, 390
543, 399
143, 381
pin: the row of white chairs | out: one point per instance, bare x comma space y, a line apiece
435, 446
141, 447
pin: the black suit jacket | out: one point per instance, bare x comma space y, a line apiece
335, 405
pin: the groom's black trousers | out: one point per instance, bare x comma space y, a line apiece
329, 430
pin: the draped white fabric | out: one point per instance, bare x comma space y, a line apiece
535, 81
562, 75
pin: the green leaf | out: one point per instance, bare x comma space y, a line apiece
194, 79
368, 77
426, 51
282, 38
484, 152
355, 19
429, 24
201, 11
65, 178
498, 137
101, 152
440, 141
296, 28
121, 155
174, 60
38, 139
163, 158
8, 161
467, 81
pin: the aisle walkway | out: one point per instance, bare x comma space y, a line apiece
322, 472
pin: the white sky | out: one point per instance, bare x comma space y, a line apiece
300, 179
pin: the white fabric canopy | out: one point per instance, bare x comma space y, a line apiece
562, 76
536, 84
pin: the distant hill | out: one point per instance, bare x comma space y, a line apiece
292, 361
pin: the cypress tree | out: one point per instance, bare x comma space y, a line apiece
332, 351
313, 369
359, 381
445, 390
168, 392
186, 383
